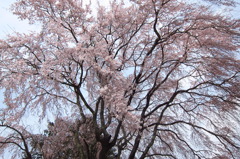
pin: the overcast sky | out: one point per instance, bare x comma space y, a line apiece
9, 23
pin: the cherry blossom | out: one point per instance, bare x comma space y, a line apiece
149, 78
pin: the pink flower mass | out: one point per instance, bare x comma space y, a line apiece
155, 79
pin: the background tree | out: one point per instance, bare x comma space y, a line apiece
62, 139
66, 139
157, 78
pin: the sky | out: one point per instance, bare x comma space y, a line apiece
9, 23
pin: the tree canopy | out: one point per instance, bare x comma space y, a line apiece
138, 79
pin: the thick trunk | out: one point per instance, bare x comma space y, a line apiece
103, 153
104, 148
